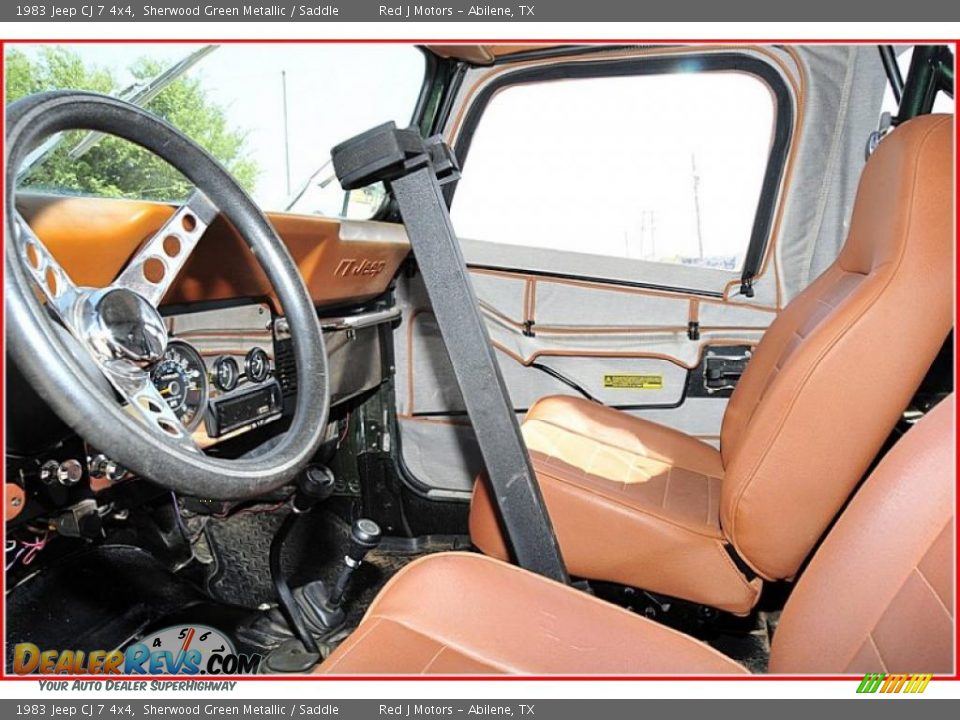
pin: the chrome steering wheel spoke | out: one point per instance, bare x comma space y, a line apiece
145, 402
122, 333
54, 283
154, 268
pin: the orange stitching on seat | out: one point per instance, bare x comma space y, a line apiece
434, 658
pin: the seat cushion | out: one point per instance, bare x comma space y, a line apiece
631, 502
464, 613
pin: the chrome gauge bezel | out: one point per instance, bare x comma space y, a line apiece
248, 364
220, 362
196, 358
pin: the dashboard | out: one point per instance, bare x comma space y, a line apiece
228, 371
219, 372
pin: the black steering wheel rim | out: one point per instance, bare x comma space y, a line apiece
63, 380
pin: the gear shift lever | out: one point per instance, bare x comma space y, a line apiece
323, 608
365, 535
311, 611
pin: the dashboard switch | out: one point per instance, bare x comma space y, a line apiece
103, 467
49, 472
70, 472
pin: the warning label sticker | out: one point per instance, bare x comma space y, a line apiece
633, 381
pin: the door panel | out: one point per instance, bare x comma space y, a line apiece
628, 348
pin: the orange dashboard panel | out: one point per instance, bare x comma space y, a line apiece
94, 238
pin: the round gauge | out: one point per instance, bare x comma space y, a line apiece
181, 379
258, 365
226, 373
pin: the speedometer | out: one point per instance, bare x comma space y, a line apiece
181, 379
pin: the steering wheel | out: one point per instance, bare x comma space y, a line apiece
67, 339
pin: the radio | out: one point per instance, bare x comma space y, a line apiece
249, 409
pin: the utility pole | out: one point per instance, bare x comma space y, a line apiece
286, 129
648, 243
653, 233
696, 202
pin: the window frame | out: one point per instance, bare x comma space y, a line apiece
721, 62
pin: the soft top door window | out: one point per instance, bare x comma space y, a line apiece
662, 168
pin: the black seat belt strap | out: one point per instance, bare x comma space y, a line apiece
413, 169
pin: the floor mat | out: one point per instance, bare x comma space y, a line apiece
241, 548
314, 550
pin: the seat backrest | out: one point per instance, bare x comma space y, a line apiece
838, 366
878, 594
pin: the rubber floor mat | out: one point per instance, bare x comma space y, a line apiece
314, 550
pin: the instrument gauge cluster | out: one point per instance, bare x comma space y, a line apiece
219, 374
181, 379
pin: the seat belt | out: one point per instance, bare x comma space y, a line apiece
414, 169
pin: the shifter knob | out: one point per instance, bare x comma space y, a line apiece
365, 535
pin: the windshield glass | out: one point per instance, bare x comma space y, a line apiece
270, 114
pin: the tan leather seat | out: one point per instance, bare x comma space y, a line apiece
646, 506
877, 597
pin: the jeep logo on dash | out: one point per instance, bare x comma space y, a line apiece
350, 267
